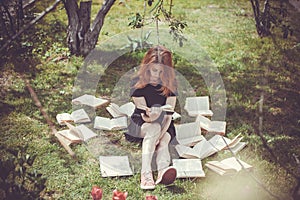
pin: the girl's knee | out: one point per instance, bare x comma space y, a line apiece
151, 129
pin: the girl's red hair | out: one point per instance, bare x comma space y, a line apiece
158, 55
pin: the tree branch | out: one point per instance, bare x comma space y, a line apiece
31, 23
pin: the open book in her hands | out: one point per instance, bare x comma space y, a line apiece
198, 106
228, 166
218, 127
77, 116
104, 123
77, 134
89, 100
167, 108
126, 109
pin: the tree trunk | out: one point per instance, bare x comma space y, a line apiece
82, 38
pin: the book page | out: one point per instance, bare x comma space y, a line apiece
185, 151
127, 108
217, 169
115, 166
89, 100
218, 142
62, 117
188, 168
86, 132
188, 133
80, 116
217, 127
222, 166
119, 123
204, 149
238, 147
68, 135
102, 123
204, 122
198, 106
233, 163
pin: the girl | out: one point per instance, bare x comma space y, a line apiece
154, 87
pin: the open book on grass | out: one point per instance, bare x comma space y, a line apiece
77, 116
89, 100
206, 148
188, 134
104, 123
77, 134
227, 166
119, 111
115, 166
197, 106
208, 125
188, 168
201, 150
222, 142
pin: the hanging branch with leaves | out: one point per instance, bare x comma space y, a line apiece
160, 10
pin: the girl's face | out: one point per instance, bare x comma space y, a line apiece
155, 72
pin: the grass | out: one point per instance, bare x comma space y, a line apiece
226, 31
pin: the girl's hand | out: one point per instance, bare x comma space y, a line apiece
153, 113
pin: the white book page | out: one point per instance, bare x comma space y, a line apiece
63, 117
204, 122
68, 134
189, 133
102, 123
185, 151
80, 116
188, 168
198, 106
115, 166
218, 142
204, 149
217, 127
233, 163
86, 132
89, 100
127, 108
119, 123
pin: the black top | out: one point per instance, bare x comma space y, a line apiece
152, 95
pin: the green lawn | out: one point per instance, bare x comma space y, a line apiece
249, 66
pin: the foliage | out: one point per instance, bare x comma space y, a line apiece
18, 179
159, 11
249, 66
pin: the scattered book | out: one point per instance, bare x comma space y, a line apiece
206, 148
197, 106
89, 100
218, 127
119, 111
227, 166
77, 116
77, 134
115, 166
201, 150
104, 123
188, 168
222, 142
188, 133
238, 147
